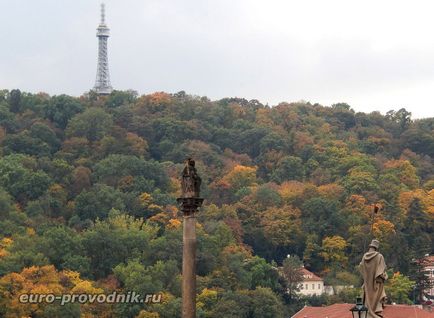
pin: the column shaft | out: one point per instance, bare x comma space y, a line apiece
189, 267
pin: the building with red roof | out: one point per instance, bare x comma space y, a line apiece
428, 263
311, 284
343, 311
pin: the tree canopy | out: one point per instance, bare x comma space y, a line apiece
88, 189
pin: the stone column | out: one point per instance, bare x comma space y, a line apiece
189, 202
188, 207
189, 267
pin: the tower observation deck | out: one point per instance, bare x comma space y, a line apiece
102, 82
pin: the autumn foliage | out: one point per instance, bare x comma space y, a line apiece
88, 190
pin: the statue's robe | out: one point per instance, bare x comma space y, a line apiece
190, 183
373, 269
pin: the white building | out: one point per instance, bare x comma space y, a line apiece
311, 284
336, 289
429, 270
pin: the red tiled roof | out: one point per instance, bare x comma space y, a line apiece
333, 311
309, 276
429, 260
343, 311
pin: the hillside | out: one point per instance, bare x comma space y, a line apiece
88, 188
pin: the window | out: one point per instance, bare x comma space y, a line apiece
319, 286
307, 286
313, 286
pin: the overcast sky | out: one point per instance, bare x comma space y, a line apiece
373, 55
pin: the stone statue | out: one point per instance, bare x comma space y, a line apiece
191, 181
373, 269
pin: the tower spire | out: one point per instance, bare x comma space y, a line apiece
102, 13
102, 82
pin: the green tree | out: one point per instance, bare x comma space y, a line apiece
59, 244
402, 117
233, 304
293, 275
98, 201
22, 182
265, 304
12, 221
7, 119
263, 274
265, 196
61, 109
288, 168
146, 174
92, 124
418, 225
15, 100
398, 288
312, 252
119, 98
359, 180
44, 133
116, 240
22, 253
322, 216
25, 143
147, 279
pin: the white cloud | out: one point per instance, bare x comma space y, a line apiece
375, 55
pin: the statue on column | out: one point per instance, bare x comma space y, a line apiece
373, 269
191, 181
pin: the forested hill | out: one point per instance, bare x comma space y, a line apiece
88, 188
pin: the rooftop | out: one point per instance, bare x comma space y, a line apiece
429, 260
343, 311
309, 276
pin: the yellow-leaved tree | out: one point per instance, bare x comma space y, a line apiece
239, 177
44, 280
333, 250
281, 226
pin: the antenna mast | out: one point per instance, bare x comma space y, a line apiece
102, 13
102, 82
